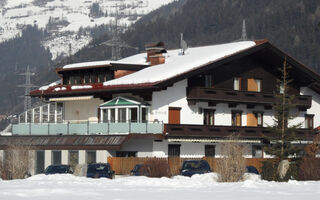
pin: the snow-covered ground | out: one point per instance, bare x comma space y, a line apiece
201, 187
67, 16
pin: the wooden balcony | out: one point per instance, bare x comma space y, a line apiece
207, 131
197, 94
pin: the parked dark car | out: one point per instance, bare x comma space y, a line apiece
58, 169
99, 170
191, 167
139, 170
252, 170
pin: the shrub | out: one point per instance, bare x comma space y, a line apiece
269, 170
231, 166
155, 167
310, 165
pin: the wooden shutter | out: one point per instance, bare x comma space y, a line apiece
174, 115
252, 85
251, 119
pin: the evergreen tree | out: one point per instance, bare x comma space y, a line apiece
284, 111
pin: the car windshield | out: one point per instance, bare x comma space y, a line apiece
54, 169
194, 165
98, 168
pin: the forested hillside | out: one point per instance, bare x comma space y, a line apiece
291, 25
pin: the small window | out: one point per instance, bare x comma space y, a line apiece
208, 81
259, 116
208, 117
86, 79
101, 78
91, 157
105, 115
210, 150
236, 118
112, 115
309, 121
237, 84
133, 114
56, 157
257, 151
281, 88
93, 78
122, 114
126, 153
174, 150
144, 116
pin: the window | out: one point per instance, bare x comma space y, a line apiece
208, 117
281, 88
309, 121
93, 78
236, 118
259, 116
56, 157
122, 114
133, 114
255, 119
101, 78
256, 151
45, 114
36, 115
126, 154
59, 112
237, 84
52, 108
254, 85
144, 115
174, 150
208, 81
39, 162
112, 115
105, 115
91, 157
86, 79
210, 150
73, 158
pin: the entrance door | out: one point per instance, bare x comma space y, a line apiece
174, 115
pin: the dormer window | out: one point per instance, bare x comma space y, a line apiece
237, 83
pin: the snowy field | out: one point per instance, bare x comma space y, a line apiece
199, 187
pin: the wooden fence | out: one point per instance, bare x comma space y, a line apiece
124, 165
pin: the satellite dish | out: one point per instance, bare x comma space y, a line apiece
183, 44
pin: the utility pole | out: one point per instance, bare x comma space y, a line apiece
27, 86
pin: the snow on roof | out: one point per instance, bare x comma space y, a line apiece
87, 64
50, 85
176, 63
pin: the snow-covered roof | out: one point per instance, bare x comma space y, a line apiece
176, 63
87, 64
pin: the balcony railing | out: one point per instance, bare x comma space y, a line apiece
204, 131
195, 94
87, 128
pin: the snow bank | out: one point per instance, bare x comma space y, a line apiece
50, 85
69, 187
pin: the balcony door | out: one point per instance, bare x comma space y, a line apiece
174, 115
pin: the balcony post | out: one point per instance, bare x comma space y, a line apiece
68, 127
129, 126
146, 126
48, 128
29, 128
108, 127
88, 127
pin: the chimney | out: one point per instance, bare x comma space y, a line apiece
154, 53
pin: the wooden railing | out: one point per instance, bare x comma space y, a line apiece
124, 165
195, 94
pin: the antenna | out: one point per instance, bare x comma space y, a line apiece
244, 31
183, 44
27, 86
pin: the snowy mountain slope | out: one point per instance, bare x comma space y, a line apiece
63, 18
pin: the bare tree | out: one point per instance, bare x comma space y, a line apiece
231, 166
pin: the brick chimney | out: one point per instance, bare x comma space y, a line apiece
154, 53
